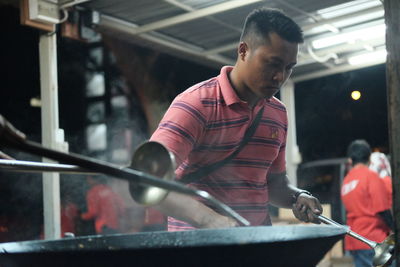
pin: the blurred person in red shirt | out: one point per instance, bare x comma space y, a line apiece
69, 215
104, 206
367, 206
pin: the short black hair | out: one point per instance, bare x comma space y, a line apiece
263, 21
359, 151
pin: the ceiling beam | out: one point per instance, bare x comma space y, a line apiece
191, 9
108, 23
339, 69
232, 46
211, 10
343, 17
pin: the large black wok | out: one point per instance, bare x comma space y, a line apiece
299, 245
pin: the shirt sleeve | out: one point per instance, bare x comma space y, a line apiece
181, 127
279, 164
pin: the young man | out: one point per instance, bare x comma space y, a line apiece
365, 198
207, 122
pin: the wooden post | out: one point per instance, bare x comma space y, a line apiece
392, 19
49, 99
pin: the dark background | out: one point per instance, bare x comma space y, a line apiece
328, 119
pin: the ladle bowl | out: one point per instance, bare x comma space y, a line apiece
383, 251
153, 158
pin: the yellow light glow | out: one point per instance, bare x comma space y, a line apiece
355, 95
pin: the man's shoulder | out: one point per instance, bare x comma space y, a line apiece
204, 87
276, 103
277, 110
363, 171
201, 94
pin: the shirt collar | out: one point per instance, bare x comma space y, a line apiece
228, 93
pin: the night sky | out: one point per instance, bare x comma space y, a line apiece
328, 119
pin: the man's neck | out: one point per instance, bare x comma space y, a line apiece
241, 89
360, 164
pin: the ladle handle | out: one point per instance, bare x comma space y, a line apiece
326, 220
29, 166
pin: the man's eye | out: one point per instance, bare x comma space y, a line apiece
275, 65
289, 68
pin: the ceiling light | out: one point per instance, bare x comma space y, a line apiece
331, 28
368, 47
377, 56
361, 34
347, 8
355, 95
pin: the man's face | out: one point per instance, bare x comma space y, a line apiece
268, 66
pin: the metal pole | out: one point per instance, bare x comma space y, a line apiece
293, 157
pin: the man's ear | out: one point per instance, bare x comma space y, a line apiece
350, 161
242, 50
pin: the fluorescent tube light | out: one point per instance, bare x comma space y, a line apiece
376, 56
361, 34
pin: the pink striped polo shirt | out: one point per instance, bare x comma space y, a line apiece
205, 124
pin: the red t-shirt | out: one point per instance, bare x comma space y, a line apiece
205, 124
364, 195
105, 206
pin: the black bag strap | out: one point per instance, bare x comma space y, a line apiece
206, 170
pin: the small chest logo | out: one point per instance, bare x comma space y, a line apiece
350, 186
274, 132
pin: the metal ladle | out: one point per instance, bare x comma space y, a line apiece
383, 251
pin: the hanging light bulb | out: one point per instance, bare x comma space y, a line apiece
355, 95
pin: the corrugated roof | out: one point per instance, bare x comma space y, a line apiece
207, 31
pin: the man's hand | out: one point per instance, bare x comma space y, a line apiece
306, 207
218, 221
192, 211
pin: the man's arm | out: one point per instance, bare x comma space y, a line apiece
190, 210
91, 212
283, 194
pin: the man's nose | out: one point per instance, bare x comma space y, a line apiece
278, 76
